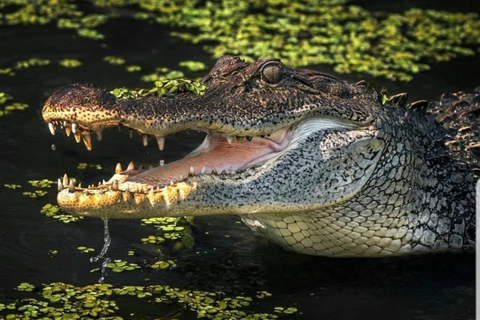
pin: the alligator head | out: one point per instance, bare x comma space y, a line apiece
317, 165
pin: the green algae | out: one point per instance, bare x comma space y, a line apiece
347, 36
84, 249
11, 107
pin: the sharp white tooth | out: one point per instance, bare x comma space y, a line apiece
161, 142
99, 183
229, 139
151, 190
103, 182
65, 123
192, 171
145, 139
87, 140
51, 127
71, 187
171, 182
74, 127
203, 171
130, 133
118, 168
127, 189
80, 185
78, 137
131, 166
181, 177
65, 180
115, 185
68, 130
59, 185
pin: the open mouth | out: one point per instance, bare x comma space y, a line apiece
218, 154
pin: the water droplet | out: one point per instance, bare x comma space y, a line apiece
161, 162
53, 147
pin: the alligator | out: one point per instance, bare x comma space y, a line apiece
317, 165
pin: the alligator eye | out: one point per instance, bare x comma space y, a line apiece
272, 73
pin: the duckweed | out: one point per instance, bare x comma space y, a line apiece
70, 63
44, 183
114, 60
193, 65
35, 194
32, 62
4, 97
162, 87
53, 211
83, 166
84, 249
12, 186
168, 264
350, 38
24, 286
121, 265
133, 68
153, 239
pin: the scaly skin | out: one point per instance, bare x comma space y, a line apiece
338, 174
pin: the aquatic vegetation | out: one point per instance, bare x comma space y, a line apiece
32, 62
114, 60
83, 166
162, 87
133, 68
53, 211
4, 97
193, 65
153, 239
84, 249
15, 106
70, 63
164, 264
350, 38
12, 186
119, 265
65, 301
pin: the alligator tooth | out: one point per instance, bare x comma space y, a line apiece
74, 127
80, 185
115, 185
87, 140
203, 171
68, 130
65, 180
78, 137
103, 182
99, 183
191, 173
131, 166
161, 142
51, 127
151, 190
229, 139
99, 134
180, 177
60, 185
130, 133
127, 189
145, 139
249, 138
224, 172
118, 168
171, 182
71, 187
214, 171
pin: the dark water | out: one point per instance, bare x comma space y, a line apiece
430, 287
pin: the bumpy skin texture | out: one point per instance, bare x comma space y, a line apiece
357, 179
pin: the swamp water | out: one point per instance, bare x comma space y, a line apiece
169, 269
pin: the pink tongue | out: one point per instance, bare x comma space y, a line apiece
220, 156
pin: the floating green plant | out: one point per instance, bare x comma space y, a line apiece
24, 286
162, 87
32, 62
44, 183
153, 239
4, 97
193, 65
119, 265
70, 63
114, 60
133, 68
12, 186
34, 194
161, 264
53, 211
84, 249
83, 166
